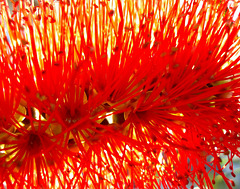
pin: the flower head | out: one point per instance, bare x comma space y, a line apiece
116, 94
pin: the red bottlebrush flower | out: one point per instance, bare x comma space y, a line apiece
34, 158
118, 94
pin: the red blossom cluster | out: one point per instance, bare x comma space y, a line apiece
118, 94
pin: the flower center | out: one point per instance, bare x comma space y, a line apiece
72, 116
34, 143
